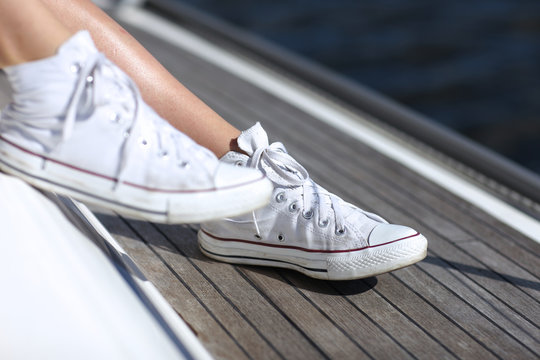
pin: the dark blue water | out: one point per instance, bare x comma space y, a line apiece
473, 66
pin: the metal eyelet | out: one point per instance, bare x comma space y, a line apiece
75, 68
341, 232
293, 207
164, 154
89, 79
281, 238
184, 164
281, 197
258, 237
115, 118
323, 223
307, 214
144, 142
239, 163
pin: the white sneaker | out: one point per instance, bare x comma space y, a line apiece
305, 227
78, 126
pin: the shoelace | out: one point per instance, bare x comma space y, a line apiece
284, 170
167, 137
87, 74
94, 78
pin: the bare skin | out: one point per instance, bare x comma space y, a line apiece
28, 31
34, 29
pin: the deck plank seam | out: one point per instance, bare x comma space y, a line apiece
420, 221
510, 278
399, 344
494, 304
475, 308
179, 278
464, 229
452, 201
229, 301
477, 260
416, 324
509, 306
329, 318
219, 291
240, 271
451, 320
518, 243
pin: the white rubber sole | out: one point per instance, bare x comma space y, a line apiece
130, 200
357, 264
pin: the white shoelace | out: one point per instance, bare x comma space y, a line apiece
139, 129
284, 170
87, 75
100, 83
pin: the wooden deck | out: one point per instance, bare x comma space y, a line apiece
475, 296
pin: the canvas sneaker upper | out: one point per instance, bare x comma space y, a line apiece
78, 125
103, 124
305, 227
301, 213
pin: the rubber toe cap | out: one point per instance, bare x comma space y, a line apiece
385, 233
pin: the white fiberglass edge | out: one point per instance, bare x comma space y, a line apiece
338, 118
62, 298
181, 330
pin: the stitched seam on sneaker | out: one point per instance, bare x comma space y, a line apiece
46, 158
304, 249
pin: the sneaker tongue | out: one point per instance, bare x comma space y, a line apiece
77, 48
37, 85
232, 157
253, 138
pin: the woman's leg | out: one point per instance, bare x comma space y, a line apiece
306, 228
77, 126
43, 33
159, 88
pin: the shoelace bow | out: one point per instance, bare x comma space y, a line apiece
284, 170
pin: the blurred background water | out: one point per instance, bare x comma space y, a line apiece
473, 66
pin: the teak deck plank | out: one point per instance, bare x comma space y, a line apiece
247, 299
326, 297
196, 272
475, 295
412, 337
479, 300
483, 336
184, 300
